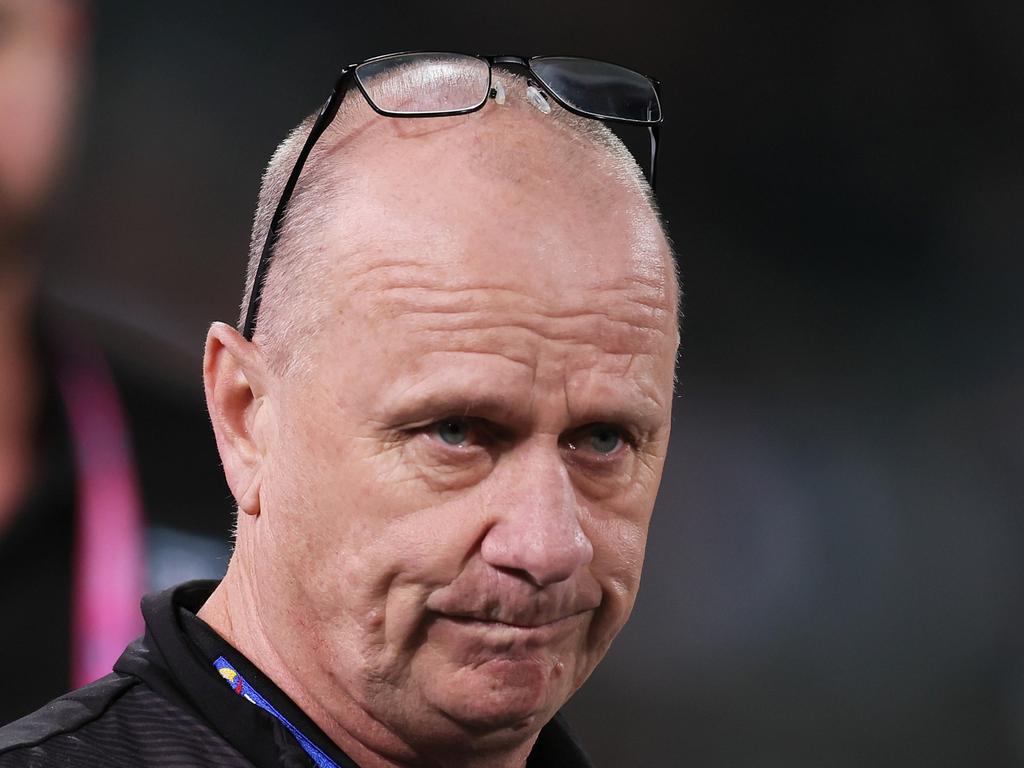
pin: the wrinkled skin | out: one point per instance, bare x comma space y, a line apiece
444, 522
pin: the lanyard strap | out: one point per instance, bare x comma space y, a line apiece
108, 559
240, 686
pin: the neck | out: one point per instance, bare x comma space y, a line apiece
234, 611
18, 395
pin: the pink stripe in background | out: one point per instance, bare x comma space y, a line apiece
108, 567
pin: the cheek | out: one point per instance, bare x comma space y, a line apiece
619, 546
619, 543
364, 539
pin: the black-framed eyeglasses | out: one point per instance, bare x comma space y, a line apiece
587, 87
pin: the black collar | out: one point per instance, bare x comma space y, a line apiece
175, 658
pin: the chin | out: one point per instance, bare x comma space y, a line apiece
507, 696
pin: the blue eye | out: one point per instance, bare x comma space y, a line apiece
605, 439
453, 431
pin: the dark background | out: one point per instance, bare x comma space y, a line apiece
835, 568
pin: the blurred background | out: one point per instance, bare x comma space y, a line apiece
836, 566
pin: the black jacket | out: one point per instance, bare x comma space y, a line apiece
166, 705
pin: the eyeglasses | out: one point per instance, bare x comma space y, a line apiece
446, 84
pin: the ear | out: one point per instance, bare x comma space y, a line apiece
234, 375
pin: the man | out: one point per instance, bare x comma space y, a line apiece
445, 438
90, 458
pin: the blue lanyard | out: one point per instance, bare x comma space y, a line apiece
242, 688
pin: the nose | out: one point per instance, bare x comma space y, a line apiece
537, 529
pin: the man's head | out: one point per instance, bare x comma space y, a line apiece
446, 450
40, 55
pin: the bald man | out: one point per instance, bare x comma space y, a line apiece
444, 434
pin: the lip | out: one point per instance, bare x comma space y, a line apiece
534, 632
490, 608
472, 619
515, 607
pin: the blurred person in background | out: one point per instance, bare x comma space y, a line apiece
90, 515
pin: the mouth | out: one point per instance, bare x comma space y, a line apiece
508, 634
496, 615
470, 619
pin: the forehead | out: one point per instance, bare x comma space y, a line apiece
497, 200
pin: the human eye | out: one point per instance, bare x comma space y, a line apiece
601, 442
462, 432
457, 432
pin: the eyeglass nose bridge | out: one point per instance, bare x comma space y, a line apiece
497, 94
516, 60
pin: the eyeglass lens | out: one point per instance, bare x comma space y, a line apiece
425, 83
598, 88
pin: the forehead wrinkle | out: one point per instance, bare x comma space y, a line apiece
429, 291
548, 365
473, 336
550, 340
502, 318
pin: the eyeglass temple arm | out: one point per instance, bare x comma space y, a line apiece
327, 114
655, 131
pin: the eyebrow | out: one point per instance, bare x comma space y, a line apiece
438, 403
630, 409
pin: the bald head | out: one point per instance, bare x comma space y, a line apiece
372, 179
